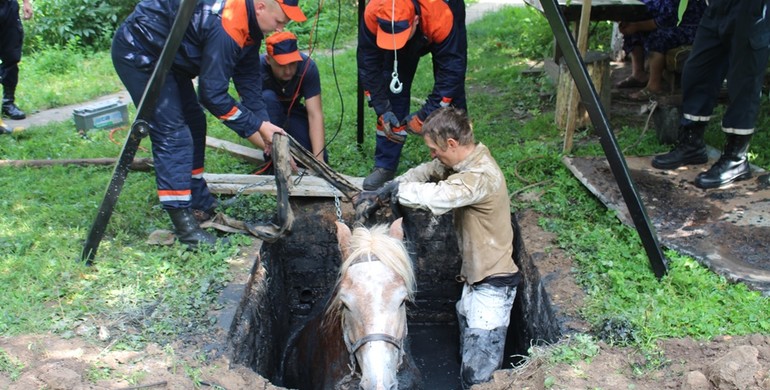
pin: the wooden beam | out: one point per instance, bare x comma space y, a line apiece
139, 164
247, 153
312, 186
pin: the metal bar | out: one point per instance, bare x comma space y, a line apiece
360, 91
614, 155
139, 129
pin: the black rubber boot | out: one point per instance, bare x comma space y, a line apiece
690, 149
377, 178
188, 231
12, 111
732, 166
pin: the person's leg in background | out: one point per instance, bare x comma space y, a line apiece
749, 52
387, 153
702, 78
202, 204
11, 40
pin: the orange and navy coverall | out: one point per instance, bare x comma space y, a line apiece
220, 44
441, 32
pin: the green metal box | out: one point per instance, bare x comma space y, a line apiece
104, 115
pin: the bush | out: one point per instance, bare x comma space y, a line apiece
87, 23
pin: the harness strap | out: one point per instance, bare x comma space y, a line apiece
375, 337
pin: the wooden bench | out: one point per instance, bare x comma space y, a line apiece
675, 59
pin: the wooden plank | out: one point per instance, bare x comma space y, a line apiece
247, 153
139, 164
308, 186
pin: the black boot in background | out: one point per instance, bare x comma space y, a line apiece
188, 231
690, 149
11, 110
732, 166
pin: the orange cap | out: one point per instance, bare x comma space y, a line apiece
394, 22
292, 10
282, 47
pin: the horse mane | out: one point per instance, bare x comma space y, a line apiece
376, 244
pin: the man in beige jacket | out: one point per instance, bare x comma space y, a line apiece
464, 178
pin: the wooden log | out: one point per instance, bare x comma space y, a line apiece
598, 65
247, 153
139, 164
265, 184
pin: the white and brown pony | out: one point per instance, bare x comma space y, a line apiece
360, 339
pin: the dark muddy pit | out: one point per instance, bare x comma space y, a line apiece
726, 229
294, 276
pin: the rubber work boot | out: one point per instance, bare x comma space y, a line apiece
377, 178
690, 149
188, 231
732, 166
12, 111
482, 354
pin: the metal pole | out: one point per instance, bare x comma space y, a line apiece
614, 155
360, 92
139, 129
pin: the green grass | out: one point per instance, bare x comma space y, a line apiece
47, 212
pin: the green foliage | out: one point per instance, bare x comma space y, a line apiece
573, 349
10, 366
64, 75
87, 23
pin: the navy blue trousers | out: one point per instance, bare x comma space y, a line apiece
732, 41
177, 132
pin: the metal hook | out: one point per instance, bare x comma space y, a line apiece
396, 86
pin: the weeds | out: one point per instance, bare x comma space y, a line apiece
10, 365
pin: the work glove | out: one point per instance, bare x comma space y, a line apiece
413, 124
388, 193
368, 202
391, 128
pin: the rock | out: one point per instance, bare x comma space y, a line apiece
735, 370
695, 380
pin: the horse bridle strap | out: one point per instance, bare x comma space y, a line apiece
375, 337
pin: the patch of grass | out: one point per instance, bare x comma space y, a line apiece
10, 366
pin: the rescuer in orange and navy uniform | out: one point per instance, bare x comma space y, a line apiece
220, 44
393, 37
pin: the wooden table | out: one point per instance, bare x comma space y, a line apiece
612, 10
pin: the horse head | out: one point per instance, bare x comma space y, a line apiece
375, 282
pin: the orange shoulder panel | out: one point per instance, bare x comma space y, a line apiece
235, 21
436, 19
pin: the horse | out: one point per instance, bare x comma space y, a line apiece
359, 339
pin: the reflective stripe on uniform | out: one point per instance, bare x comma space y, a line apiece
197, 173
234, 114
172, 195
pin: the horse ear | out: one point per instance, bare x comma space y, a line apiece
343, 238
396, 229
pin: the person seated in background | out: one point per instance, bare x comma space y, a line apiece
287, 77
654, 37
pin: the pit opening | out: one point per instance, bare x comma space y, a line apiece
294, 276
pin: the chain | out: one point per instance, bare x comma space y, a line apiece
337, 203
246, 187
